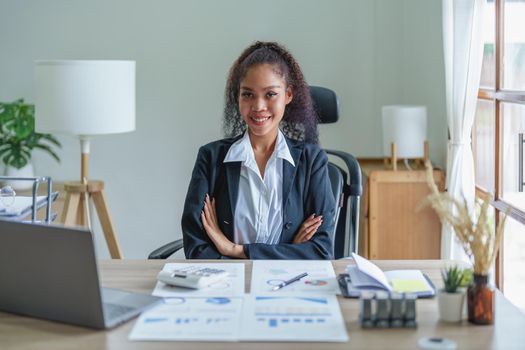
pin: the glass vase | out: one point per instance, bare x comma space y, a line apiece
480, 300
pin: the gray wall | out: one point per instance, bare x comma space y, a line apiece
371, 53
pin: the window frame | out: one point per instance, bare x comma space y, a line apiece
498, 95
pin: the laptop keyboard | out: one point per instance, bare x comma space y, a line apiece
112, 311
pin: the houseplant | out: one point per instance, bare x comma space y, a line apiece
18, 138
479, 240
452, 296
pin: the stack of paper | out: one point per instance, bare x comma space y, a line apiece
306, 310
22, 206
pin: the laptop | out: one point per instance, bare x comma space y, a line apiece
50, 272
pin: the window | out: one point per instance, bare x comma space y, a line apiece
499, 134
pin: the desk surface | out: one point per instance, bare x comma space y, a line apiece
508, 332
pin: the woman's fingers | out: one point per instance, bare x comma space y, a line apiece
206, 210
213, 210
313, 228
307, 233
313, 221
308, 222
313, 232
209, 215
209, 209
205, 222
209, 206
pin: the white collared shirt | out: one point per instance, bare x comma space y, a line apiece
258, 216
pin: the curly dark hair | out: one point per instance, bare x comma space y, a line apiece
300, 119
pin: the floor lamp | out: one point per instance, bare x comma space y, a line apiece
84, 99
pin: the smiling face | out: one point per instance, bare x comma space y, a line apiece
263, 96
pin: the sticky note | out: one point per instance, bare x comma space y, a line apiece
408, 286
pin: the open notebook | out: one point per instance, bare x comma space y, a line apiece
366, 276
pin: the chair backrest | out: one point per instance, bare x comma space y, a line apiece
346, 237
336, 181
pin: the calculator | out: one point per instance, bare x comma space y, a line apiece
192, 276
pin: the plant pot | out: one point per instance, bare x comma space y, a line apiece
26, 171
451, 305
481, 304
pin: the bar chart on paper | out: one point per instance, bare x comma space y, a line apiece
181, 318
293, 318
292, 315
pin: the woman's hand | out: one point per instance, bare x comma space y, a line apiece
308, 228
211, 226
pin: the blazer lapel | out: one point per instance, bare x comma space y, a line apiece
289, 170
233, 172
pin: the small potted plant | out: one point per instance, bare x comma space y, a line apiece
452, 296
18, 139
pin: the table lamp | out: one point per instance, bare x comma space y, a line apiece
86, 98
404, 133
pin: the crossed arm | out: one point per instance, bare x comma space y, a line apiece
228, 248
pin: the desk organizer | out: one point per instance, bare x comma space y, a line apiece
387, 310
50, 196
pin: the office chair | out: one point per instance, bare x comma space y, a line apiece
346, 238
346, 186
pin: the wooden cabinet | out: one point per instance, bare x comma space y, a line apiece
392, 227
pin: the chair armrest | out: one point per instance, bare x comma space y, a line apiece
166, 250
355, 187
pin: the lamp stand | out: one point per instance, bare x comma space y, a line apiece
392, 161
76, 207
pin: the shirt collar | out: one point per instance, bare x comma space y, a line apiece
281, 148
241, 150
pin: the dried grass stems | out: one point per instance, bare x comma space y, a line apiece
477, 237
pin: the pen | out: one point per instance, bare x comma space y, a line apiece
290, 281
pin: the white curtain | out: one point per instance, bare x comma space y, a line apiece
463, 50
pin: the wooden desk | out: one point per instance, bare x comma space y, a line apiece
18, 332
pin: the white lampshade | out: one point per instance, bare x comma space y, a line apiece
85, 97
407, 127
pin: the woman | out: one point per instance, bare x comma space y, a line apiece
263, 193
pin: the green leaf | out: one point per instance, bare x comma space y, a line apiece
51, 139
18, 137
19, 162
48, 150
3, 151
452, 277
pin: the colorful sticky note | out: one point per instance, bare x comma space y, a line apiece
408, 286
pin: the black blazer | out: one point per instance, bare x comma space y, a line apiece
306, 190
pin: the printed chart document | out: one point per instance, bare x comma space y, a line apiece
302, 318
321, 278
365, 275
232, 286
202, 319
